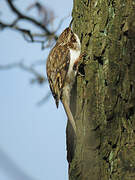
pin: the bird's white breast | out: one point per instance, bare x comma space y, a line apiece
74, 55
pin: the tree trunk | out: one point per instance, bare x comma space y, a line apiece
104, 102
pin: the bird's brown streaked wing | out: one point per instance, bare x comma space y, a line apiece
57, 68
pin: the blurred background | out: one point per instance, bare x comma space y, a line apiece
32, 130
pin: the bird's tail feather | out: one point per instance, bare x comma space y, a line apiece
69, 115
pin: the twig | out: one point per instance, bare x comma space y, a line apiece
30, 19
38, 63
44, 99
15, 27
39, 77
61, 22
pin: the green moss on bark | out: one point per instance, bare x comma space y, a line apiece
105, 97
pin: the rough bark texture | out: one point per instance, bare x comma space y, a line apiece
104, 103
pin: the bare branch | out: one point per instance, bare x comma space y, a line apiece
60, 23
38, 63
30, 69
47, 15
29, 36
20, 16
12, 170
46, 38
38, 77
44, 99
17, 28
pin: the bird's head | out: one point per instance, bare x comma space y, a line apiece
69, 38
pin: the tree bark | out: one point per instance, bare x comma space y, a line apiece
104, 102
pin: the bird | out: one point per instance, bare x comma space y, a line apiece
61, 67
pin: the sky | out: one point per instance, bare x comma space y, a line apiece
32, 138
